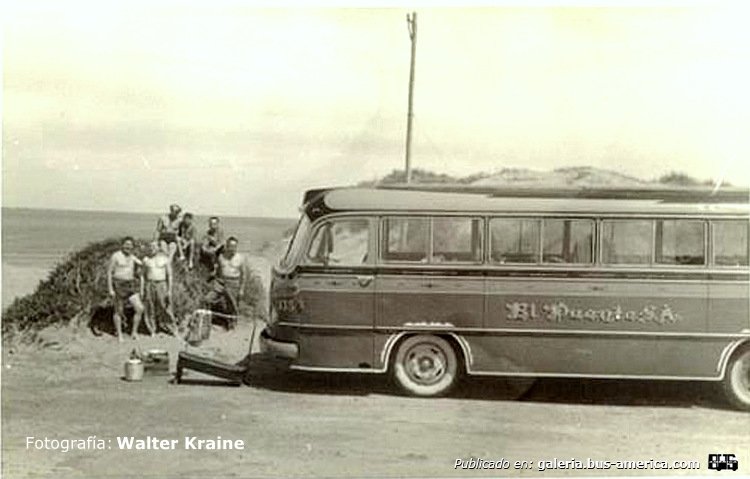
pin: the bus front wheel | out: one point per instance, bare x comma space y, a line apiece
737, 380
425, 365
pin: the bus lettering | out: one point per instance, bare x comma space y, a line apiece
559, 311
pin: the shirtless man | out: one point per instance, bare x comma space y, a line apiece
212, 242
230, 276
123, 288
186, 239
168, 227
159, 287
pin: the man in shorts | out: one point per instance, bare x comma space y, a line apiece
186, 239
159, 283
123, 286
168, 227
230, 277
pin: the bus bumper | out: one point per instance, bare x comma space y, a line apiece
279, 349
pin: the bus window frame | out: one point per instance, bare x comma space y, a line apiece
471, 218
382, 238
377, 231
654, 252
295, 256
712, 236
327, 220
538, 220
594, 242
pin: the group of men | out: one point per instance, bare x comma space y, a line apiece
130, 278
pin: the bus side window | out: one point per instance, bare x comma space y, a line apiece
514, 240
406, 239
730, 242
321, 245
680, 242
626, 241
568, 241
456, 240
340, 242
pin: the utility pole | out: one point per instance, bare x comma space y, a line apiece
411, 21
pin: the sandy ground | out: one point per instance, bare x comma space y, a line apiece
69, 386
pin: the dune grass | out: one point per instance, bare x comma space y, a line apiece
76, 290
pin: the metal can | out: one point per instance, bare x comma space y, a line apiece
133, 370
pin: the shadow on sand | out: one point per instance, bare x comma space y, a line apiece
267, 373
101, 322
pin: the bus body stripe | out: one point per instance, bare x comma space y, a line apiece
745, 334
534, 274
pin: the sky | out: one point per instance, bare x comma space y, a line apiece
232, 109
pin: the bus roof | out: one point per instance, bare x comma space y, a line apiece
690, 194
635, 202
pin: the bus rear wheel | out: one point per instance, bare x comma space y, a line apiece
737, 380
425, 365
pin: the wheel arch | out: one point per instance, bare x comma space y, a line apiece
730, 353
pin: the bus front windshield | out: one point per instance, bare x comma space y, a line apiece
297, 241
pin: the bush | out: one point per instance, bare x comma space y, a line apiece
422, 176
76, 290
678, 178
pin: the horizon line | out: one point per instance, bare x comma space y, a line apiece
83, 210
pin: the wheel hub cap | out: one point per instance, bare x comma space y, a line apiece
425, 364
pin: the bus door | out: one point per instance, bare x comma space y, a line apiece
336, 291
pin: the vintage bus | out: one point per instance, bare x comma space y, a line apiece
428, 286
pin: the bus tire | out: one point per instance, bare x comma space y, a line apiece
737, 379
425, 365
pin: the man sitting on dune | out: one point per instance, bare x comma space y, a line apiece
167, 229
212, 243
123, 287
186, 239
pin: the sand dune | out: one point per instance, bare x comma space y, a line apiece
574, 176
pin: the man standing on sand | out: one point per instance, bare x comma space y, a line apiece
168, 227
159, 283
121, 281
229, 281
212, 243
186, 239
